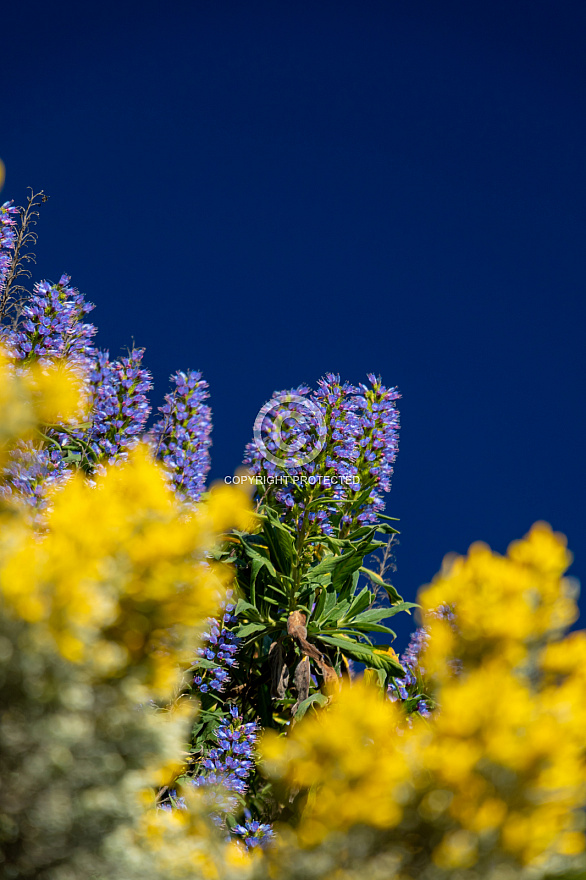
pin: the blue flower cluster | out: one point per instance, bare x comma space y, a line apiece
408, 686
253, 833
182, 437
120, 406
7, 235
30, 471
229, 764
172, 802
52, 326
362, 444
356, 428
217, 655
223, 773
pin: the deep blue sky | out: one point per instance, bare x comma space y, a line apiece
270, 190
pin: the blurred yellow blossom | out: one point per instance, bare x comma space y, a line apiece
497, 776
36, 395
100, 612
503, 605
121, 566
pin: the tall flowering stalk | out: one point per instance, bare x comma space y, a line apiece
7, 236
52, 325
407, 689
217, 655
120, 406
182, 437
321, 461
51, 328
17, 238
224, 749
230, 762
356, 430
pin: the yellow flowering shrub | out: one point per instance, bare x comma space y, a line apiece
494, 783
34, 394
119, 570
100, 611
505, 606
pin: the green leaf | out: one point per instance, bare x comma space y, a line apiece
249, 629
366, 533
350, 563
242, 606
329, 605
402, 606
307, 591
256, 566
386, 529
328, 564
335, 544
340, 611
280, 541
73, 456
377, 579
372, 656
373, 615
276, 589
261, 561
304, 705
340, 566
348, 588
361, 601
374, 628
271, 601
338, 641
204, 663
320, 605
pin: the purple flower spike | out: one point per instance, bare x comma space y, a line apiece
220, 647
120, 406
254, 833
52, 325
7, 235
230, 763
181, 438
407, 687
357, 431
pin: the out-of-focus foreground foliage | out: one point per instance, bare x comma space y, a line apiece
99, 615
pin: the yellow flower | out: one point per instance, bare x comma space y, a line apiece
498, 770
121, 564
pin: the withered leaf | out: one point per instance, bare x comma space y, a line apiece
296, 625
301, 682
279, 671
